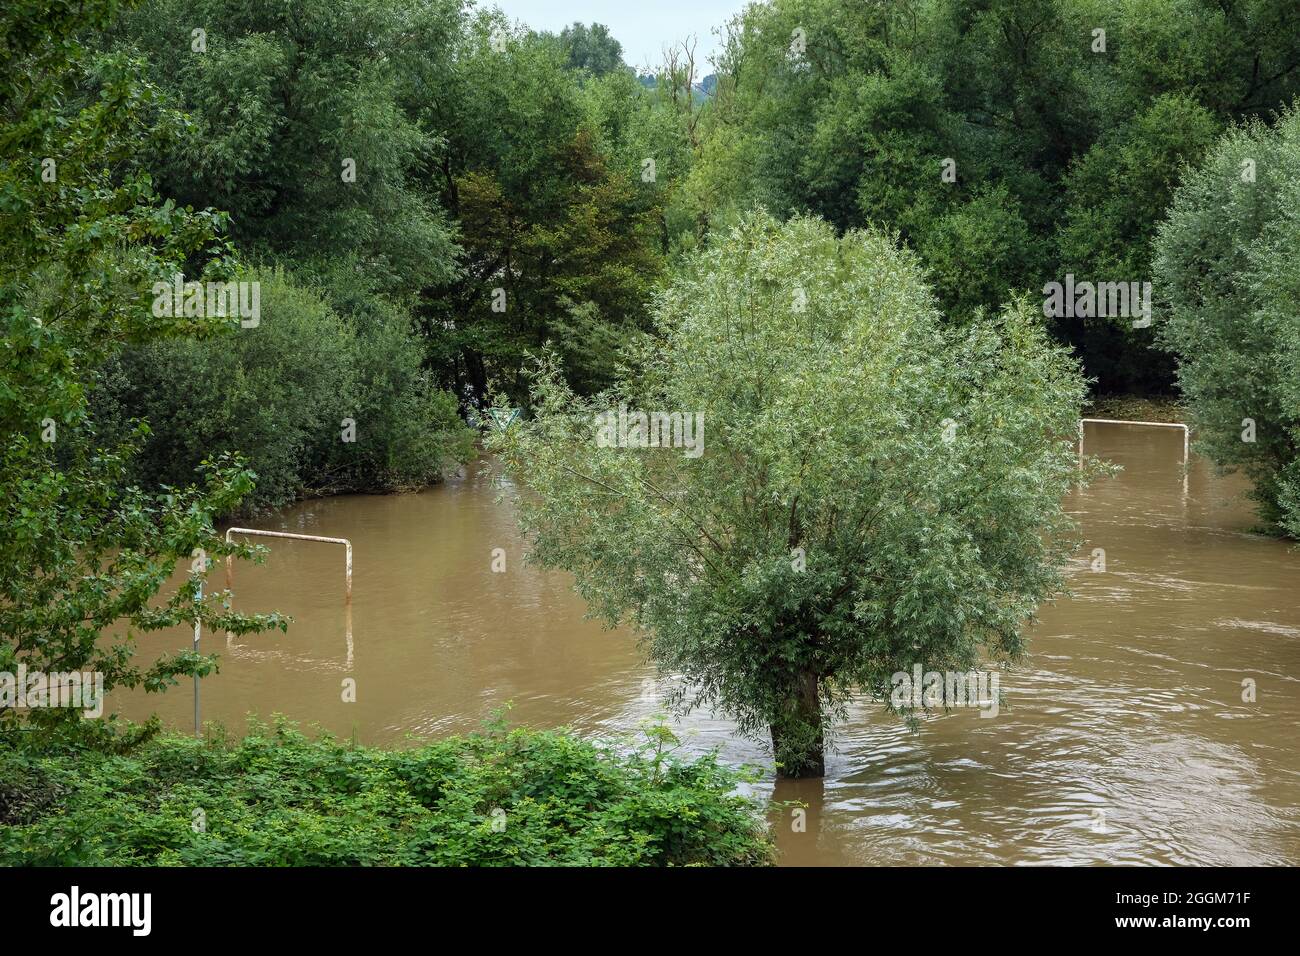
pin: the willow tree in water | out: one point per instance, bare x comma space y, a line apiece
851, 487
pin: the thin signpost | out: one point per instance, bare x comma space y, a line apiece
198, 627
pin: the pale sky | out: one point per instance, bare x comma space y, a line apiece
644, 27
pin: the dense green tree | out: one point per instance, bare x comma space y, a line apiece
305, 125
853, 111
1239, 58
592, 48
555, 240
991, 230
85, 553
874, 489
1230, 290
1113, 196
312, 403
299, 127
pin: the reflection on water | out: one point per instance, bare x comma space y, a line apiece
1124, 740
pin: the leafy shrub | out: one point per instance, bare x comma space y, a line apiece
277, 798
990, 229
1226, 272
279, 393
26, 790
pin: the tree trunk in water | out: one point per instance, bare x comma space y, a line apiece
797, 739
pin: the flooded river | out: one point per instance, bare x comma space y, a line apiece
1125, 737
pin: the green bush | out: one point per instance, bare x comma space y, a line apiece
1226, 273
277, 798
279, 394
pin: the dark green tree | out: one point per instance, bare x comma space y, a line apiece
559, 246
1077, 115
592, 48
300, 127
82, 238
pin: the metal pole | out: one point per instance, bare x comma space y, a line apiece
198, 627
348, 632
1124, 421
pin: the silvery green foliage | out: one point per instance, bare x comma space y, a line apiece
1227, 279
824, 432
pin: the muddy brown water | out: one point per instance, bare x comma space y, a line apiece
1125, 737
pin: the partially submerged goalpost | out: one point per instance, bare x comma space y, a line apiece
1120, 421
230, 580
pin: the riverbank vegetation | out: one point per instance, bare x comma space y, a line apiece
1226, 267
480, 191
430, 198
483, 191
83, 236
319, 399
277, 798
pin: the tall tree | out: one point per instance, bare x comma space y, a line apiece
1008, 141
864, 490
82, 238
592, 48
559, 245
302, 128
305, 123
1226, 269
